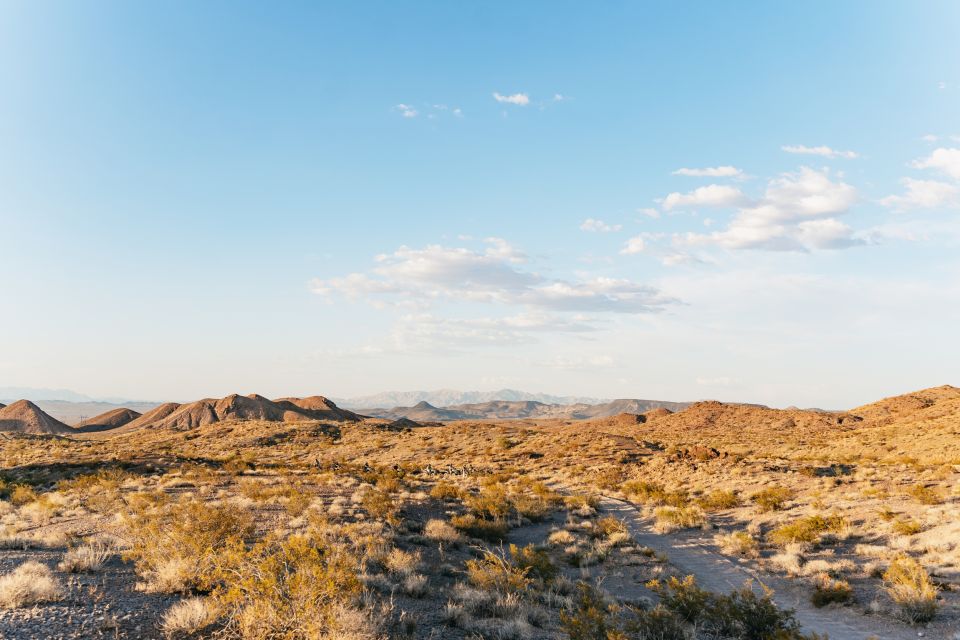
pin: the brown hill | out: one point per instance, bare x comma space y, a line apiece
109, 420
319, 408
151, 417
237, 407
918, 404
25, 417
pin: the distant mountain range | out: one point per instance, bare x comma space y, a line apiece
66, 395
506, 410
451, 397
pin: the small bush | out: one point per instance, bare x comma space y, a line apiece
489, 530
739, 614
925, 495
22, 494
910, 587
738, 543
827, 590
670, 519
441, 531
806, 530
30, 583
496, 572
446, 491
654, 493
534, 561
772, 498
906, 527
719, 500
86, 558
187, 617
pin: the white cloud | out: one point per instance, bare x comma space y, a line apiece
634, 245
796, 213
493, 276
923, 194
944, 160
712, 195
519, 99
824, 151
406, 110
592, 224
559, 97
929, 138
650, 212
725, 171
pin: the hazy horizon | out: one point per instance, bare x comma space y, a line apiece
582, 200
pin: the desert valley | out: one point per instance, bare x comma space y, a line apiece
244, 517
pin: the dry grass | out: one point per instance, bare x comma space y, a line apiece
86, 558
187, 617
29, 584
910, 588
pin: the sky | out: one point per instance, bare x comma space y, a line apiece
742, 201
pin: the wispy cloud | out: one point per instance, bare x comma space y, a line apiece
406, 110
822, 151
923, 194
725, 171
494, 276
594, 225
519, 99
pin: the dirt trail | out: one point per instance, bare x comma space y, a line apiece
719, 573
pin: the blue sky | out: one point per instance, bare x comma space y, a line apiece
744, 201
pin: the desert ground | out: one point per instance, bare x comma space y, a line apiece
250, 518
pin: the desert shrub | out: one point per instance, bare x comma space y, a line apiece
654, 493
827, 590
492, 503
910, 587
441, 531
446, 491
85, 558
581, 501
497, 572
589, 618
925, 495
906, 527
534, 561
739, 614
530, 506
738, 543
187, 617
300, 587
670, 519
772, 498
607, 526
658, 623
21, 494
489, 530
808, 529
561, 538
402, 563
886, 514
381, 506
176, 547
30, 583
719, 500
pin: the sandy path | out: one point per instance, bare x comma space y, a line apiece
719, 573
